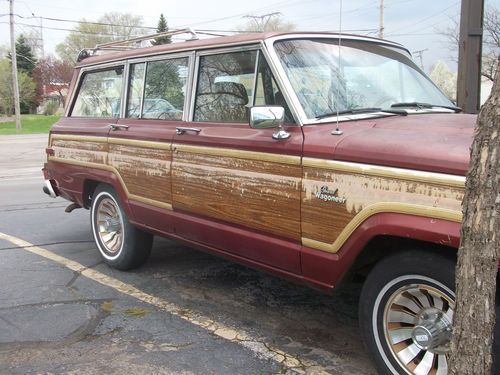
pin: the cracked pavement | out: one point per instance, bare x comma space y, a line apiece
184, 312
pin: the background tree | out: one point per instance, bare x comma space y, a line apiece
110, 27
268, 22
26, 60
445, 79
162, 27
54, 75
491, 40
474, 320
26, 88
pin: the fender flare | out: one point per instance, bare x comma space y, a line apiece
328, 269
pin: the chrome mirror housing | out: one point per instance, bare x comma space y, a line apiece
266, 117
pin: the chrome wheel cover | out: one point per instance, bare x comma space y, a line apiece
109, 226
417, 324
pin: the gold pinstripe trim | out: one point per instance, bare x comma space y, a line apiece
109, 168
239, 154
145, 144
387, 172
85, 138
400, 208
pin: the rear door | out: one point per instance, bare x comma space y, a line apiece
140, 146
233, 187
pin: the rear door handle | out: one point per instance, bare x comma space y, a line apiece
181, 130
118, 127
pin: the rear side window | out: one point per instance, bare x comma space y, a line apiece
99, 94
224, 91
157, 89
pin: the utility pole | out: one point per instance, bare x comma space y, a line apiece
262, 25
420, 55
15, 83
381, 21
469, 55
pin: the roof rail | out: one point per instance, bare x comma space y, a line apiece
123, 45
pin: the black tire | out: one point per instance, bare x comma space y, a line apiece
409, 294
122, 245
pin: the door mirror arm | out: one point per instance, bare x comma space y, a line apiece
267, 117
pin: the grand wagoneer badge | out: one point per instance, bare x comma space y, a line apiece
328, 195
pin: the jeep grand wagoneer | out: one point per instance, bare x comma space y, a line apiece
301, 154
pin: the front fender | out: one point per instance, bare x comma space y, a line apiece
325, 270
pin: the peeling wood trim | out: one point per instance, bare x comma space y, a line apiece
109, 168
239, 154
387, 172
398, 208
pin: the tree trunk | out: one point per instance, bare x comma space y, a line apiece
474, 320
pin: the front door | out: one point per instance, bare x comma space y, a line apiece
233, 187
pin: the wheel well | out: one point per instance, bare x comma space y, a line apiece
381, 247
89, 187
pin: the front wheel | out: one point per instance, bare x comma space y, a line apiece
122, 245
406, 312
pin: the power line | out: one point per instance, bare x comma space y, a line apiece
426, 18
72, 30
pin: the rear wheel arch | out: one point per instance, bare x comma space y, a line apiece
121, 244
90, 185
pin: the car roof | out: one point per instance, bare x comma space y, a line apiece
221, 41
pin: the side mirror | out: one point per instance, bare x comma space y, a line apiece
266, 117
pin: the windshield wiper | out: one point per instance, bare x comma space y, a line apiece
420, 105
356, 111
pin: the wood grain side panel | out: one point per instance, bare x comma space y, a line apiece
91, 152
259, 195
324, 220
240, 164
145, 171
89, 146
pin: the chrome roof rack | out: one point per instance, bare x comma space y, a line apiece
128, 44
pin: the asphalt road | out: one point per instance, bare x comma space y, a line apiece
62, 311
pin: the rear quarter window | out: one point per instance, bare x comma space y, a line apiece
99, 94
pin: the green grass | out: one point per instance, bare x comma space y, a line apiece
31, 124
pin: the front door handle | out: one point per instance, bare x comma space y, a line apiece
118, 126
181, 130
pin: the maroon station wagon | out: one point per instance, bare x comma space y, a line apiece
311, 156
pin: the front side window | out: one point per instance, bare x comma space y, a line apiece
99, 94
357, 75
224, 91
157, 89
267, 91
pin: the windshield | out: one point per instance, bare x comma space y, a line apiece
367, 75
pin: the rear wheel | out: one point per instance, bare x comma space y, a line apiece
406, 312
122, 245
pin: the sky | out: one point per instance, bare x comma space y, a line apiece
413, 23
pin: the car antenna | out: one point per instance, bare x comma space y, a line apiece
337, 130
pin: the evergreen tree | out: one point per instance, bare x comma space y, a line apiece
26, 60
162, 27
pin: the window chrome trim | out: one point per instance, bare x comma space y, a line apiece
255, 78
141, 104
123, 102
186, 114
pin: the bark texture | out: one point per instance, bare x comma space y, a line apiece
474, 320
